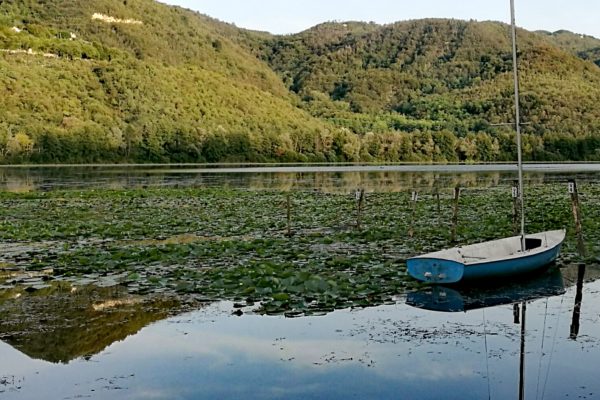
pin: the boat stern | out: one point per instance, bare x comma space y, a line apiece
435, 270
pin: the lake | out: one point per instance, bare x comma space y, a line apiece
324, 177
70, 337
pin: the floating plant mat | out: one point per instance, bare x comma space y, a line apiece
224, 244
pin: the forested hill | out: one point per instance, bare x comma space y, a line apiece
442, 80
136, 80
584, 46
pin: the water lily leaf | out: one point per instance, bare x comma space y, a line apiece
281, 296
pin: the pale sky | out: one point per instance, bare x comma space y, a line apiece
291, 16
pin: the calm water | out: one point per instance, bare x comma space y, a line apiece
285, 177
394, 351
470, 348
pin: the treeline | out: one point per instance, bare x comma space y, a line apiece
93, 142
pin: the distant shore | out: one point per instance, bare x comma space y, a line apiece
325, 167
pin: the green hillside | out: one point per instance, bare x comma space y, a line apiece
140, 81
584, 46
435, 77
177, 87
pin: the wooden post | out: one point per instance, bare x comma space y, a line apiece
414, 199
289, 214
455, 214
577, 217
436, 193
515, 197
360, 201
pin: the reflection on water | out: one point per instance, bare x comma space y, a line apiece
394, 351
385, 178
454, 299
61, 322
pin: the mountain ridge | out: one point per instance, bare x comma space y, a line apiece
147, 82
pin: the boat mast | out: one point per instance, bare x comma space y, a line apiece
518, 121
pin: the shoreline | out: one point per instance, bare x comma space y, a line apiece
322, 168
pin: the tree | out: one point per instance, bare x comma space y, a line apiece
445, 143
19, 145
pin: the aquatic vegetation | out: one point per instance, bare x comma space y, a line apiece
225, 244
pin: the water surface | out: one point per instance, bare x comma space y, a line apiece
392, 351
104, 343
320, 177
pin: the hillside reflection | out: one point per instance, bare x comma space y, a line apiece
62, 323
49, 178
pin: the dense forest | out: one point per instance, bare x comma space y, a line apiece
140, 81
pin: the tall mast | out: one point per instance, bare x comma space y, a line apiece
518, 120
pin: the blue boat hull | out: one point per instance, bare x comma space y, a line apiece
435, 270
438, 270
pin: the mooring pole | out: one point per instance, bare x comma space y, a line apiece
436, 193
455, 213
360, 202
577, 216
289, 214
414, 199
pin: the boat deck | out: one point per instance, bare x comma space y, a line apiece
498, 249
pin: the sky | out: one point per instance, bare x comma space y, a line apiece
292, 16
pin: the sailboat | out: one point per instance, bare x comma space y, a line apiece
501, 258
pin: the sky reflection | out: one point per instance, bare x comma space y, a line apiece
392, 351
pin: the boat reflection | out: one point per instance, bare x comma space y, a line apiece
465, 298
517, 293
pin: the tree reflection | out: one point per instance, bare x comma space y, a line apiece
60, 324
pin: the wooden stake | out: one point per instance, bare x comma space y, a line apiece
415, 198
289, 214
436, 193
360, 198
455, 214
577, 217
